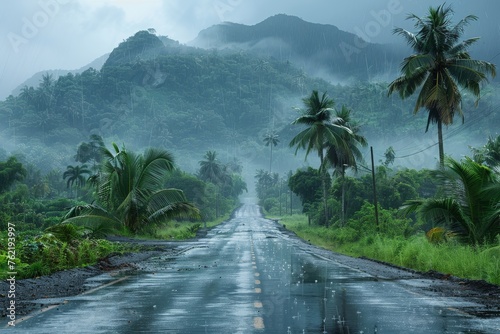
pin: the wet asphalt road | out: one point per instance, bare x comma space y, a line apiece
248, 277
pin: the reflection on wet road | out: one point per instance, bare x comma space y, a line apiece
247, 277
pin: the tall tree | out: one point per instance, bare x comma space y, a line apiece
90, 151
211, 169
10, 172
345, 156
271, 139
76, 176
321, 130
440, 65
349, 154
130, 192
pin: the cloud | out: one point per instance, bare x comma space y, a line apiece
69, 34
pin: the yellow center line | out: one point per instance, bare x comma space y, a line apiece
32, 314
258, 323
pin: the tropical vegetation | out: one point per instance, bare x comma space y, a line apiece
222, 114
322, 132
129, 192
441, 66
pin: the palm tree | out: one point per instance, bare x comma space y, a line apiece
212, 171
271, 139
470, 205
130, 192
441, 64
321, 131
345, 156
489, 154
210, 168
75, 175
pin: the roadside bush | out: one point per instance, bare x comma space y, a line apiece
38, 268
391, 223
45, 253
345, 235
66, 232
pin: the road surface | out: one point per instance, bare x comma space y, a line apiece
246, 276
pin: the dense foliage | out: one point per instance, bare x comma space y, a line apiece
186, 99
204, 106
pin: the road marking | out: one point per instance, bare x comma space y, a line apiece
104, 286
258, 323
34, 313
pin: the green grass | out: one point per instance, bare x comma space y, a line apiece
45, 255
416, 252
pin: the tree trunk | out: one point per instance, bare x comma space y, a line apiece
323, 183
440, 143
342, 221
271, 159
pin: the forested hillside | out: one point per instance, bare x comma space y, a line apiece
187, 130
153, 91
320, 49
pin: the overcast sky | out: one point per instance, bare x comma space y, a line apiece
37, 35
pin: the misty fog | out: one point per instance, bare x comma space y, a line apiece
344, 45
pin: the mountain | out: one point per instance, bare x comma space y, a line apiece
153, 91
320, 49
36, 78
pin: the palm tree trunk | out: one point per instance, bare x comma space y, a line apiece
342, 221
271, 159
440, 143
323, 183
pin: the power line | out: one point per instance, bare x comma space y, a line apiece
450, 134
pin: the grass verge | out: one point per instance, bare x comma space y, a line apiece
416, 252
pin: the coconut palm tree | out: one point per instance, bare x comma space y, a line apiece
345, 156
349, 154
469, 207
212, 171
210, 168
271, 139
130, 192
489, 154
75, 176
322, 130
441, 65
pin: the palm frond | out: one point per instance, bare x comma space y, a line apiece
182, 210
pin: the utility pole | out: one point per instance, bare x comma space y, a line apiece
279, 192
342, 221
